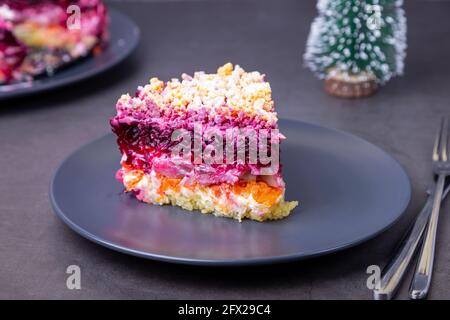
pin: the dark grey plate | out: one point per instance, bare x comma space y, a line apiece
349, 191
124, 37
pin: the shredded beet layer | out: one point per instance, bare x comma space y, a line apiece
148, 145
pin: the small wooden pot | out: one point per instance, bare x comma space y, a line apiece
346, 85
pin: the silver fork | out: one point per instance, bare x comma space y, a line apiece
396, 269
420, 284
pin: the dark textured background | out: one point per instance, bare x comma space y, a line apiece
38, 132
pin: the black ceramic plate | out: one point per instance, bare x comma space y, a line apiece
349, 191
124, 37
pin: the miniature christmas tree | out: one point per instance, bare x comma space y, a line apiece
355, 45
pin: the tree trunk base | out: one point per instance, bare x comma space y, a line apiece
350, 86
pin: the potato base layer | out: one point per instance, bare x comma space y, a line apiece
244, 200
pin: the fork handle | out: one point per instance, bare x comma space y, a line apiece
420, 284
394, 272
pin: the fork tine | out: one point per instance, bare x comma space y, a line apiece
436, 142
447, 131
444, 140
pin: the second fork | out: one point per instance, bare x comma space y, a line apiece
420, 284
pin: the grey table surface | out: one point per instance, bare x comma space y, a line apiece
38, 132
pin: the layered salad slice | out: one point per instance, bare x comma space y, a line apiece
12, 52
54, 33
206, 142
